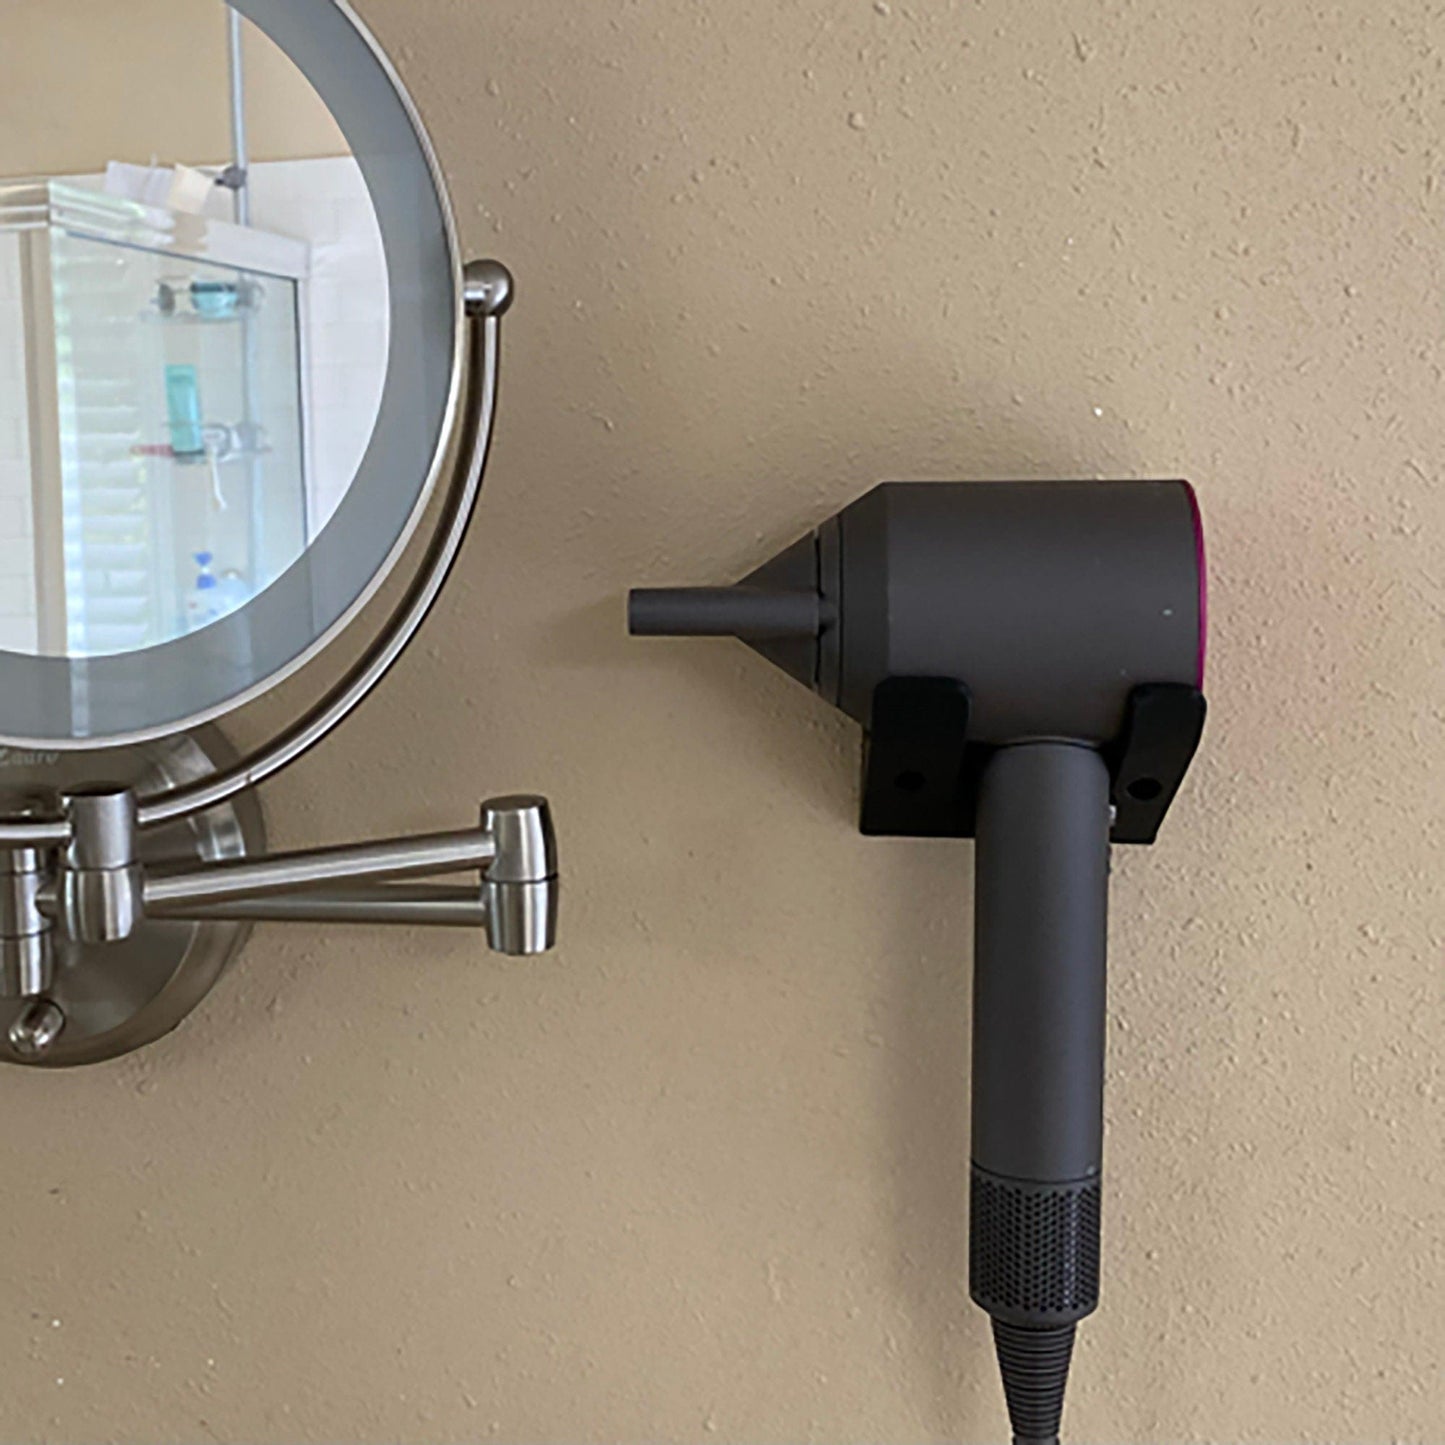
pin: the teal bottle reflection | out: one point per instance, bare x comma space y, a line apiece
183, 401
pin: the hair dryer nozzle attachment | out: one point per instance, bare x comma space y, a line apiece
751, 613
782, 611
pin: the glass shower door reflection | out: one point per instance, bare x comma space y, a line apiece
179, 448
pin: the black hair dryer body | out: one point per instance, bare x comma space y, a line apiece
1026, 659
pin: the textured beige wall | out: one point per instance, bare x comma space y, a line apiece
702, 1174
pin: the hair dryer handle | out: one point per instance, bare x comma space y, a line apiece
1041, 916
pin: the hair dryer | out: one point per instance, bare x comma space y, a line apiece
1026, 659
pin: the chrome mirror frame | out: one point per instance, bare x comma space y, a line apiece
124, 896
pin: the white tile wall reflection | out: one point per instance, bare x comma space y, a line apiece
348, 307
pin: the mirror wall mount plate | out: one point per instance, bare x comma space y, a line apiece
132, 860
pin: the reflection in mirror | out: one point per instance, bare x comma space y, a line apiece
193, 321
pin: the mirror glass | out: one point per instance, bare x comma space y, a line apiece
229, 351
193, 321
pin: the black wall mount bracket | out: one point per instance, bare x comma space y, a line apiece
921, 768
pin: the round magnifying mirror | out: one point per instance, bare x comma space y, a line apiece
230, 351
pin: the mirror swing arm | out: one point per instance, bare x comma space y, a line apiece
80, 876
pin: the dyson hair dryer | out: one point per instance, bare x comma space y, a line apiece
1026, 659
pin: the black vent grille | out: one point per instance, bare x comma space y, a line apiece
1034, 1250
